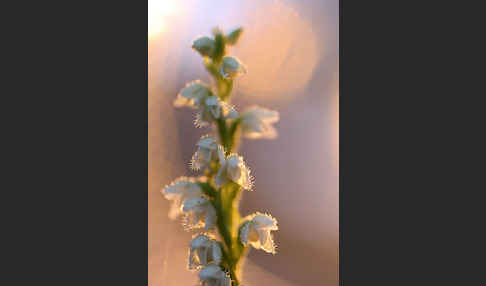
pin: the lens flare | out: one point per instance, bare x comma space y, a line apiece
280, 50
158, 13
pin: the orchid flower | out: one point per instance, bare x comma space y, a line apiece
199, 213
233, 168
232, 67
207, 152
256, 122
256, 232
204, 45
179, 191
203, 251
212, 275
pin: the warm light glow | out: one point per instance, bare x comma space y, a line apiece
280, 50
158, 13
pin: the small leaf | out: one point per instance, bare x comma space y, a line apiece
204, 45
232, 38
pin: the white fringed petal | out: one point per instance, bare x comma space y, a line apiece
199, 213
239, 172
232, 67
192, 94
198, 95
207, 152
212, 275
179, 191
233, 168
257, 123
211, 109
213, 105
204, 250
256, 231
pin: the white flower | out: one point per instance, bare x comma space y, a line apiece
192, 95
233, 168
256, 232
256, 122
199, 213
204, 250
232, 67
207, 151
213, 108
179, 191
210, 110
204, 45
212, 275
198, 95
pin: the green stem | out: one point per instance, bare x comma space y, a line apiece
228, 219
227, 197
223, 212
223, 135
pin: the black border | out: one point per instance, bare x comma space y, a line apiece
79, 202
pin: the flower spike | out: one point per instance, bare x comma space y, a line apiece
210, 203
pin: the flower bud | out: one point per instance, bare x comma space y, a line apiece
232, 67
204, 45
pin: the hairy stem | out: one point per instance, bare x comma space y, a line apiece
224, 204
226, 199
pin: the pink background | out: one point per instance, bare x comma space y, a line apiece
291, 51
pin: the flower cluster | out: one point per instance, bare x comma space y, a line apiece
210, 202
198, 96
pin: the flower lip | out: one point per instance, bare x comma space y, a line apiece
205, 153
204, 250
213, 275
256, 122
232, 67
179, 191
199, 213
199, 240
192, 94
213, 108
206, 141
233, 168
256, 231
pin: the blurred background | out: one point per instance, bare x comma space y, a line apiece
291, 52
